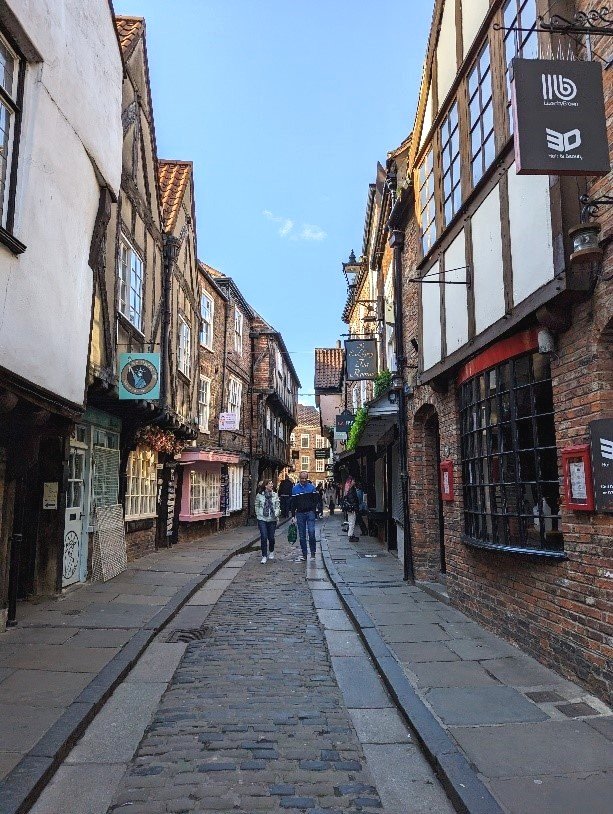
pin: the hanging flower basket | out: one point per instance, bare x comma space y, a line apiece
160, 440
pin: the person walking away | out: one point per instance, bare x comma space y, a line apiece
285, 494
351, 505
267, 511
362, 507
330, 498
303, 507
320, 499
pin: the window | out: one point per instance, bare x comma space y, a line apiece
518, 14
320, 466
235, 474
185, 343
305, 463
354, 398
305, 441
238, 330
363, 392
450, 158
130, 283
204, 402
292, 439
481, 115
321, 442
206, 314
141, 492
509, 457
235, 393
268, 419
203, 492
427, 205
9, 64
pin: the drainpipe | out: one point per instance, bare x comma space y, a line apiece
396, 242
172, 247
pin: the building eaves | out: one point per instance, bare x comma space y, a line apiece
174, 177
227, 283
258, 330
212, 280
129, 31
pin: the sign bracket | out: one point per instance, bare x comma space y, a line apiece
423, 281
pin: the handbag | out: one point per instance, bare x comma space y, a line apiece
292, 533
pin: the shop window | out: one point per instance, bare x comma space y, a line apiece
204, 492
481, 115
509, 457
142, 484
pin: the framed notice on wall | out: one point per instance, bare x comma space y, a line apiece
578, 484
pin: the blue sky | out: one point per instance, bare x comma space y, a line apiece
285, 107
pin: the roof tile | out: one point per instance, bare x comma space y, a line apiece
174, 177
328, 367
308, 416
129, 30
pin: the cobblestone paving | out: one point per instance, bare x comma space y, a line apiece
253, 719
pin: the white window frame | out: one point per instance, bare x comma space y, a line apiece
268, 419
321, 442
204, 492
8, 104
130, 278
308, 440
184, 350
320, 465
204, 403
354, 398
207, 315
141, 492
235, 476
235, 395
305, 463
238, 330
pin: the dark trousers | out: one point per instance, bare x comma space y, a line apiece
267, 535
360, 521
306, 522
284, 499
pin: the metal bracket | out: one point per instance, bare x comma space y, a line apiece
422, 280
590, 206
597, 21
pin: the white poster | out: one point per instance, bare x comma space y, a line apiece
228, 421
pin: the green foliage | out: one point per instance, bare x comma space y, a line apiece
383, 382
357, 428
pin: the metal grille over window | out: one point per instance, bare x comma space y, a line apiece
509, 457
520, 38
427, 204
481, 114
450, 156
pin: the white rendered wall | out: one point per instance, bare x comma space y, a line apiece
72, 110
531, 234
431, 319
427, 119
487, 262
473, 14
446, 60
456, 305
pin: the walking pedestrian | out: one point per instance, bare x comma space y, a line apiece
362, 507
330, 498
285, 494
351, 505
303, 508
320, 499
267, 511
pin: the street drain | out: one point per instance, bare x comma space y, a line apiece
194, 634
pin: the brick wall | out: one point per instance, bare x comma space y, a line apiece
212, 364
140, 540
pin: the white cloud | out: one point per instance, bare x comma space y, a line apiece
312, 232
307, 231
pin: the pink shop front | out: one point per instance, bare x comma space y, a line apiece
212, 492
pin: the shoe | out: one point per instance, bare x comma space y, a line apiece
354, 539
263, 560
312, 555
271, 556
299, 559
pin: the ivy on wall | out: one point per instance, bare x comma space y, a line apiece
357, 428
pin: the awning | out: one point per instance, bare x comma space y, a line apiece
382, 416
194, 456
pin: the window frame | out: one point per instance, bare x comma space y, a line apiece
238, 330
204, 295
204, 492
184, 347
235, 388
451, 162
426, 198
124, 306
304, 435
498, 455
146, 481
520, 39
478, 123
12, 101
305, 467
204, 427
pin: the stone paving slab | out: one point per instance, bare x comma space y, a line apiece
503, 710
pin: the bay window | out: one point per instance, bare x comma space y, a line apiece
204, 492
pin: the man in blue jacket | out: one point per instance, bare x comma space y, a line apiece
303, 508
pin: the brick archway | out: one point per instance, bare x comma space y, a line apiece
425, 505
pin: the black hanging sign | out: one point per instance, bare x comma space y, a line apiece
322, 454
601, 437
361, 359
344, 421
559, 118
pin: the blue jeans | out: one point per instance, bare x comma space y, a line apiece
306, 521
267, 535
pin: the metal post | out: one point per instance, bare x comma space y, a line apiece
397, 244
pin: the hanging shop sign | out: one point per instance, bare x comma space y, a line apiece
361, 359
228, 421
344, 421
559, 118
601, 435
322, 454
139, 376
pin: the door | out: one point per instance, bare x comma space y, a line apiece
73, 525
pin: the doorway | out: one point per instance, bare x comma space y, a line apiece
74, 517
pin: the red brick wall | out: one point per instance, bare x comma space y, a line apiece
141, 541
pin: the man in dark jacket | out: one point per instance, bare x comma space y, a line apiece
303, 508
285, 494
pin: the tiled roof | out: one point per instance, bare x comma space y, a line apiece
129, 30
308, 416
174, 178
210, 270
328, 367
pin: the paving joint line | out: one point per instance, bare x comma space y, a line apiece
20, 789
465, 789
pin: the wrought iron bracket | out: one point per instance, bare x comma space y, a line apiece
590, 206
597, 21
423, 281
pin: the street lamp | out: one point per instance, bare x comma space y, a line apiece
352, 269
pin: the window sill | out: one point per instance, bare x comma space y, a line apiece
11, 242
193, 518
541, 553
184, 376
128, 326
206, 347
